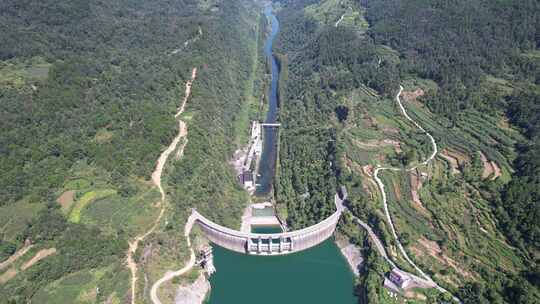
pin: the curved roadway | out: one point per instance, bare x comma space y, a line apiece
385, 201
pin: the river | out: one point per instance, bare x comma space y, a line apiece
319, 275
267, 165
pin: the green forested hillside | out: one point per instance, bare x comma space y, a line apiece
458, 43
88, 93
483, 56
470, 72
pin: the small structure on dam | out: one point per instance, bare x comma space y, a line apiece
268, 244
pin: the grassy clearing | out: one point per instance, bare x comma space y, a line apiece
77, 184
411, 84
19, 73
103, 136
82, 287
115, 213
87, 198
14, 218
387, 53
330, 11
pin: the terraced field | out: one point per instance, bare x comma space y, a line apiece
440, 210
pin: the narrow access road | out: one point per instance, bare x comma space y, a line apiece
376, 240
385, 200
156, 180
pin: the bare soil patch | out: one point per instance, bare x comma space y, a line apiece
490, 167
436, 252
454, 164
66, 200
461, 157
415, 295
366, 172
390, 131
194, 293
416, 185
412, 96
352, 254
368, 121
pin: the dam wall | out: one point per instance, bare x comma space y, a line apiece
267, 244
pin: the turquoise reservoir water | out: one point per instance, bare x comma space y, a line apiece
316, 276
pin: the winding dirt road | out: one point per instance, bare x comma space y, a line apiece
156, 180
385, 201
171, 274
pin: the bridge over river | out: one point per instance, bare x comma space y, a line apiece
267, 244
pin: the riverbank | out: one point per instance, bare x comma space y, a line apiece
352, 254
194, 293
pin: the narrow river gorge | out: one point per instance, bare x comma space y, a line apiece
318, 275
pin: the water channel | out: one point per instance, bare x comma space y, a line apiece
319, 275
270, 135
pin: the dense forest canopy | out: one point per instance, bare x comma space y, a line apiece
88, 93
90, 88
482, 56
457, 43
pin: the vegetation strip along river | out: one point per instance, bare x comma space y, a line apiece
318, 275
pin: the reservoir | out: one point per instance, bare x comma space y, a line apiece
319, 275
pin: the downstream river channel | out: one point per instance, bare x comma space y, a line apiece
319, 275
267, 165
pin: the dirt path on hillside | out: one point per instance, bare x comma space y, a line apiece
156, 180
377, 144
16, 256
38, 257
12, 272
169, 275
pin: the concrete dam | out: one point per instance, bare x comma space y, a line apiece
267, 244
